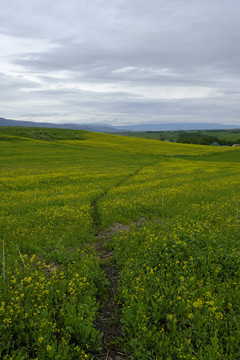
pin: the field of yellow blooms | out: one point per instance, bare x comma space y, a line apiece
179, 262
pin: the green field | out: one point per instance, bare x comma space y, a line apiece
76, 207
224, 137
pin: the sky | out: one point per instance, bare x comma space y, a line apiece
120, 61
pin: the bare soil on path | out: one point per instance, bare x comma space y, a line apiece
109, 318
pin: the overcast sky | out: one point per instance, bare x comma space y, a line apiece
120, 61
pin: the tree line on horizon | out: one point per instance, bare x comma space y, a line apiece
200, 138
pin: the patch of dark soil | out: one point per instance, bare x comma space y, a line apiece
109, 319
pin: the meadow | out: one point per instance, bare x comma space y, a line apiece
176, 247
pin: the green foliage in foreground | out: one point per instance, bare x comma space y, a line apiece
48, 309
179, 265
179, 283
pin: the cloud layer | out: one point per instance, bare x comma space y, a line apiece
120, 62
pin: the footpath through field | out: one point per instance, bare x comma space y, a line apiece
108, 321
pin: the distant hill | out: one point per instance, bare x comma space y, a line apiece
113, 129
89, 127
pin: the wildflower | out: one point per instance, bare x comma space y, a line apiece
198, 303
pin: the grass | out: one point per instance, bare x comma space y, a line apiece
178, 282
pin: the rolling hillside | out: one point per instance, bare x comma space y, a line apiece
117, 247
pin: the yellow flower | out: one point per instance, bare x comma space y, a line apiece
49, 347
198, 303
40, 339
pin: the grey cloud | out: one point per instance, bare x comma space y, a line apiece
187, 35
123, 46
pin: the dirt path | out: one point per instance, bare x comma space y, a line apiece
109, 319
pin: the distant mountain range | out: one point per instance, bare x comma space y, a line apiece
177, 126
113, 129
89, 127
